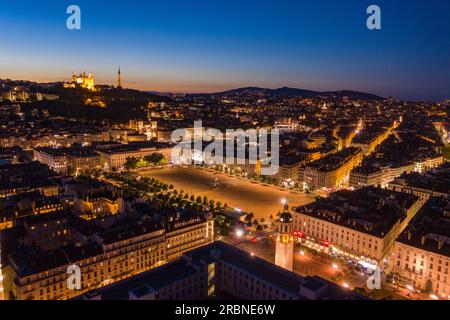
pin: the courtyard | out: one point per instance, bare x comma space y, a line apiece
248, 196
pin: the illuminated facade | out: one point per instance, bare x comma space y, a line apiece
84, 80
97, 205
430, 184
378, 177
64, 160
421, 256
360, 225
220, 270
368, 144
116, 157
332, 173
111, 256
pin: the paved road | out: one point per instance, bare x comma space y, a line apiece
305, 264
263, 201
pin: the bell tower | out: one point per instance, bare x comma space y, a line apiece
284, 248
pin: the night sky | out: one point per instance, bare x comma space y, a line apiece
213, 45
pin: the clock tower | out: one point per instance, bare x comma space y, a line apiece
284, 248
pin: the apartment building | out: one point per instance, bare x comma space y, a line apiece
381, 176
361, 224
330, 171
220, 270
97, 203
372, 136
27, 177
422, 252
116, 156
433, 183
26, 204
64, 160
105, 252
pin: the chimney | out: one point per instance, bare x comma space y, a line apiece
409, 235
424, 238
440, 244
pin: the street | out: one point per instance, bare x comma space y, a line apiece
308, 263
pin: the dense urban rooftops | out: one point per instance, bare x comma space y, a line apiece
335, 160
68, 152
224, 254
437, 180
370, 210
430, 228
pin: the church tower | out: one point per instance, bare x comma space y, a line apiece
284, 248
119, 79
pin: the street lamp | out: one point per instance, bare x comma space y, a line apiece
285, 205
239, 233
335, 266
345, 285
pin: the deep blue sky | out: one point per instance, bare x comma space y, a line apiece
211, 45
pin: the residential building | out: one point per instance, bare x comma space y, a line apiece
220, 270
421, 254
361, 224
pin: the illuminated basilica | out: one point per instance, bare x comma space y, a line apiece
84, 80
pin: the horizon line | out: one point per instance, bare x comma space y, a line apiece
434, 100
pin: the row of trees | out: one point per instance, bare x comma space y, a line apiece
165, 192
165, 195
260, 225
154, 159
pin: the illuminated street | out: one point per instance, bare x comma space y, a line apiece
263, 201
305, 263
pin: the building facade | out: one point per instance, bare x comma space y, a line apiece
103, 258
220, 270
360, 178
361, 225
331, 171
421, 255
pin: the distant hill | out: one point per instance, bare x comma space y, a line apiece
120, 105
291, 92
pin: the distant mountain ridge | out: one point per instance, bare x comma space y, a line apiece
293, 92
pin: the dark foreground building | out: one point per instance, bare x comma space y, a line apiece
219, 271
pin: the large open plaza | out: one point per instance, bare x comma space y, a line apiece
262, 200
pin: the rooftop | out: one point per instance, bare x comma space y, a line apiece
430, 228
370, 210
335, 160
437, 180
223, 253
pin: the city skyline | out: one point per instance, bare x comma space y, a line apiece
222, 151
216, 47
